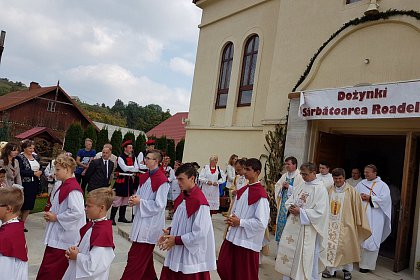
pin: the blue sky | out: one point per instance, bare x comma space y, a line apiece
101, 50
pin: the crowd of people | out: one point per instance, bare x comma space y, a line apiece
324, 222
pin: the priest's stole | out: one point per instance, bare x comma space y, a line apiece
334, 227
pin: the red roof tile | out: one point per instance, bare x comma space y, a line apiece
36, 131
18, 97
172, 128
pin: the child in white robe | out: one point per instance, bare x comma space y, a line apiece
190, 239
65, 216
92, 259
13, 251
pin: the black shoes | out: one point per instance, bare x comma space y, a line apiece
327, 274
123, 220
364, 270
113, 222
25, 230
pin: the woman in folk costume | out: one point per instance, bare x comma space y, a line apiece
210, 177
377, 204
283, 190
302, 247
190, 239
65, 216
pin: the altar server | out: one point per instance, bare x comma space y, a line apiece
13, 251
65, 216
149, 219
190, 239
239, 254
92, 258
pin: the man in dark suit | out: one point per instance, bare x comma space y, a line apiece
99, 171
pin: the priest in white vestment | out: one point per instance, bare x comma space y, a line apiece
190, 239
324, 174
355, 178
302, 248
377, 204
283, 190
348, 227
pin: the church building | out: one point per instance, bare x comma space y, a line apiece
342, 76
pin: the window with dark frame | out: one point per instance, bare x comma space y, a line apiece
51, 106
249, 63
352, 1
224, 76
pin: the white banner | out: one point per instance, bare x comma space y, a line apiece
396, 100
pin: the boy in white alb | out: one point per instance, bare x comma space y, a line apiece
190, 239
13, 251
240, 252
65, 216
149, 219
324, 174
92, 259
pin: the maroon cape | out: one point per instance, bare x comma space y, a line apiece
193, 200
157, 179
65, 188
12, 241
256, 191
101, 236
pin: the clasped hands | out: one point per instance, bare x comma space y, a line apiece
295, 210
166, 241
134, 200
71, 253
365, 197
50, 216
233, 221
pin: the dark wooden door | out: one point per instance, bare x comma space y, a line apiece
408, 203
330, 148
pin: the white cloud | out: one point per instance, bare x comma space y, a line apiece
102, 50
114, 82
181, 65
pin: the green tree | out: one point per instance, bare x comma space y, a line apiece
91, 133
130, 136
180, 150
170, 151
5, 132
140, 144
73, 140
162, 144
116, 141
102, 138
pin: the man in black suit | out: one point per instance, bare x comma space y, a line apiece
99, 171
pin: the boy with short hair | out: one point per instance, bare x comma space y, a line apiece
239, 254
13, 251
190, 239
65, 216
92, 258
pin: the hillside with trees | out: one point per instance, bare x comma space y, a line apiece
131, 115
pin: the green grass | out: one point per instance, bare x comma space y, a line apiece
39, 205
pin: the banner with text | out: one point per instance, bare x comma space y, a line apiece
396, 100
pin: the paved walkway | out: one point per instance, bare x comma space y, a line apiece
36, 226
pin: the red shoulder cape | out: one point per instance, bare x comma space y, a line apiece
157, 179
67, 187
193, 200
101, 236
12, 241
255, 193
